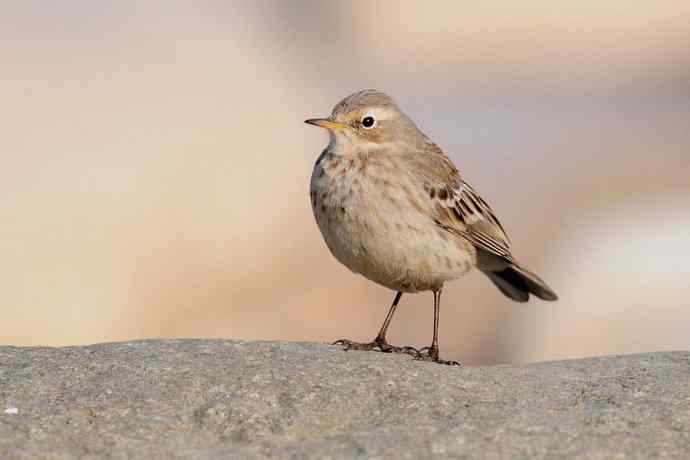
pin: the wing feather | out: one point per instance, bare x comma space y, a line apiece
457, 206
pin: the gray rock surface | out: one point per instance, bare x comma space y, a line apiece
229, 399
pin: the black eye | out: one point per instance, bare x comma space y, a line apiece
368, 121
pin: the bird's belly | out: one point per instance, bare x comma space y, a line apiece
388, 241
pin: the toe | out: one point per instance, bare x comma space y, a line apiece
412, 351
345, 343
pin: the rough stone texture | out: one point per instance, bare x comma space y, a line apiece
212, 398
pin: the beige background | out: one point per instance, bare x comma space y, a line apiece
155, 167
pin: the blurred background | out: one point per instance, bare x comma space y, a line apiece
155, 168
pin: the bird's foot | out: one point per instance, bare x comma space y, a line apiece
431, 354
379, 344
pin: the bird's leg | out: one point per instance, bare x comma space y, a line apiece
380, 339
380, 343
431, 353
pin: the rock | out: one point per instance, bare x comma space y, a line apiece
252, 400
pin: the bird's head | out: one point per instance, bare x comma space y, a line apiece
368, 119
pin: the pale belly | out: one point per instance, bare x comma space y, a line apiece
373, 227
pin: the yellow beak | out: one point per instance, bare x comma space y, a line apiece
326, 123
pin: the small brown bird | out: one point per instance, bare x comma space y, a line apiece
392, 207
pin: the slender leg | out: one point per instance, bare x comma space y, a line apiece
380, 342
387, 322
431, 353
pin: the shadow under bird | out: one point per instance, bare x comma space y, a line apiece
392, 207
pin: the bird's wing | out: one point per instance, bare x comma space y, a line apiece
457, 207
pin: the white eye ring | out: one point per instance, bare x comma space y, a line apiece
368, 122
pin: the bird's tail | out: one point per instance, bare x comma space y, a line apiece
518, 283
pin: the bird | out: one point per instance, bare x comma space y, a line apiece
392, 207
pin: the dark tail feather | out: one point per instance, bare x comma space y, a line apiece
518, 283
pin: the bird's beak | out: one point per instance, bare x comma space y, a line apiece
326, 123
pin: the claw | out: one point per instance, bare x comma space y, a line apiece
431, 354
412, 351
377, 345
352, 345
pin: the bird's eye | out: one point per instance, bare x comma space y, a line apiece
368, 122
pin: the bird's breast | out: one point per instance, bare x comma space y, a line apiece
375, 221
